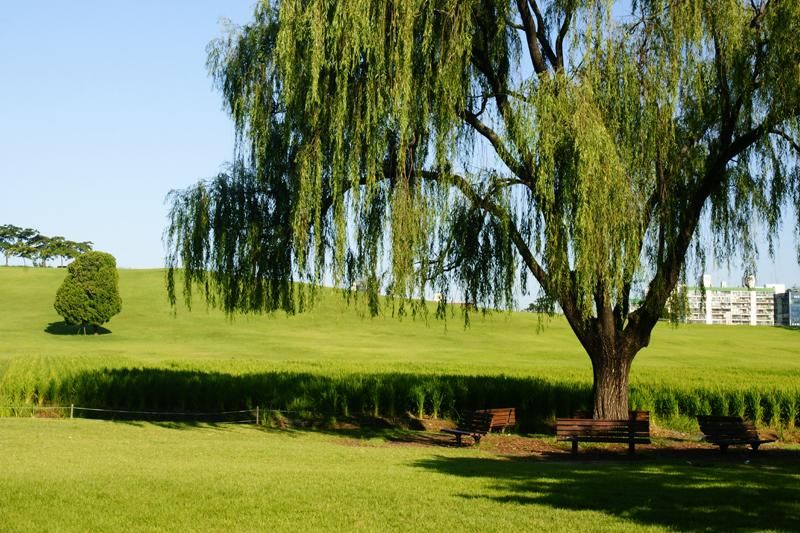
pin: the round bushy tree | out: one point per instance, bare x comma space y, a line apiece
89, 294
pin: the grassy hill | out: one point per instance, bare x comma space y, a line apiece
146, 329
332, 359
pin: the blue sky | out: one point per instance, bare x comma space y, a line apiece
107, 106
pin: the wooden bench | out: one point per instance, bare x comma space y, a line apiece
632, 415
503, 418
634, 431
724, 431
473, 424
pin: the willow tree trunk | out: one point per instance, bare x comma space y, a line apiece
612, 346
611, 369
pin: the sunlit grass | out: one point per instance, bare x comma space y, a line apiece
83, 475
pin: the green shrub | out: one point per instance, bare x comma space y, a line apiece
89, 293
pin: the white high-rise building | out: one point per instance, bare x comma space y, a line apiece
748, 305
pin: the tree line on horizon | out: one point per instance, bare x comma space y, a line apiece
28, 243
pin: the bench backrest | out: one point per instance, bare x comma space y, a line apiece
632, 415
501, 418
722, 428
602, 429
475, 422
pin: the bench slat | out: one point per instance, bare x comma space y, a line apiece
608, 440
502, 418
634, 431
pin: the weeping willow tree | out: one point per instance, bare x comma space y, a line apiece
445, 145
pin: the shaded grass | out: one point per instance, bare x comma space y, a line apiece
111, 476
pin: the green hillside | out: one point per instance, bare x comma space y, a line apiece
333, 360
146, 329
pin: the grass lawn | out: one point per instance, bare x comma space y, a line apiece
146, 330
82, 475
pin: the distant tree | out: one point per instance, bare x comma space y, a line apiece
30, 244
8, 238
540, 305
89, 293
24, 244
43, 249
68, 249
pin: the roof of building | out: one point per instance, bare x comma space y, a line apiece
729, 289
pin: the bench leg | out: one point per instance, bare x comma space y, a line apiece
458, 440
755, 446
574, 446
723, 447
631, 449
477, 439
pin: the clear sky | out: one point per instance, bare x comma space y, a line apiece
107, 106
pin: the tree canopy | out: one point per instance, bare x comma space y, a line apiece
30, 244
89, 293
473, 145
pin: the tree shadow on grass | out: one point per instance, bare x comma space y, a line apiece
733, 498
179, 426
61, 328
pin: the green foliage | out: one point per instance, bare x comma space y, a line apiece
357, 122
60, 247
359, 126
8, 237
18, 242
89, 293
30, 244
347, 389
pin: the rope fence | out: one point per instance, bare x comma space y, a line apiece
258, 412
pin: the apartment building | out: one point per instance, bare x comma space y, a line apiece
787, 308
746, 306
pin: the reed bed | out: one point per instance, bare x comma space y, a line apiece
332, 389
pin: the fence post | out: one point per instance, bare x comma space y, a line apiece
71, 408
258, 421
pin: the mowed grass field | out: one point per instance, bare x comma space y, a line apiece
334, 361
88, 475
148, 330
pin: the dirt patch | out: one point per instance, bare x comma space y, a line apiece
47, 413
667, 444
430, 425
525, 448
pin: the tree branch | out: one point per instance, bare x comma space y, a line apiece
540, 33
531, 36
490, 207
786, 138
497, 144
560, 40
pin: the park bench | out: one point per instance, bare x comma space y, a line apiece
473, 424
502, 418
632, 415
724, 431
635, 430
